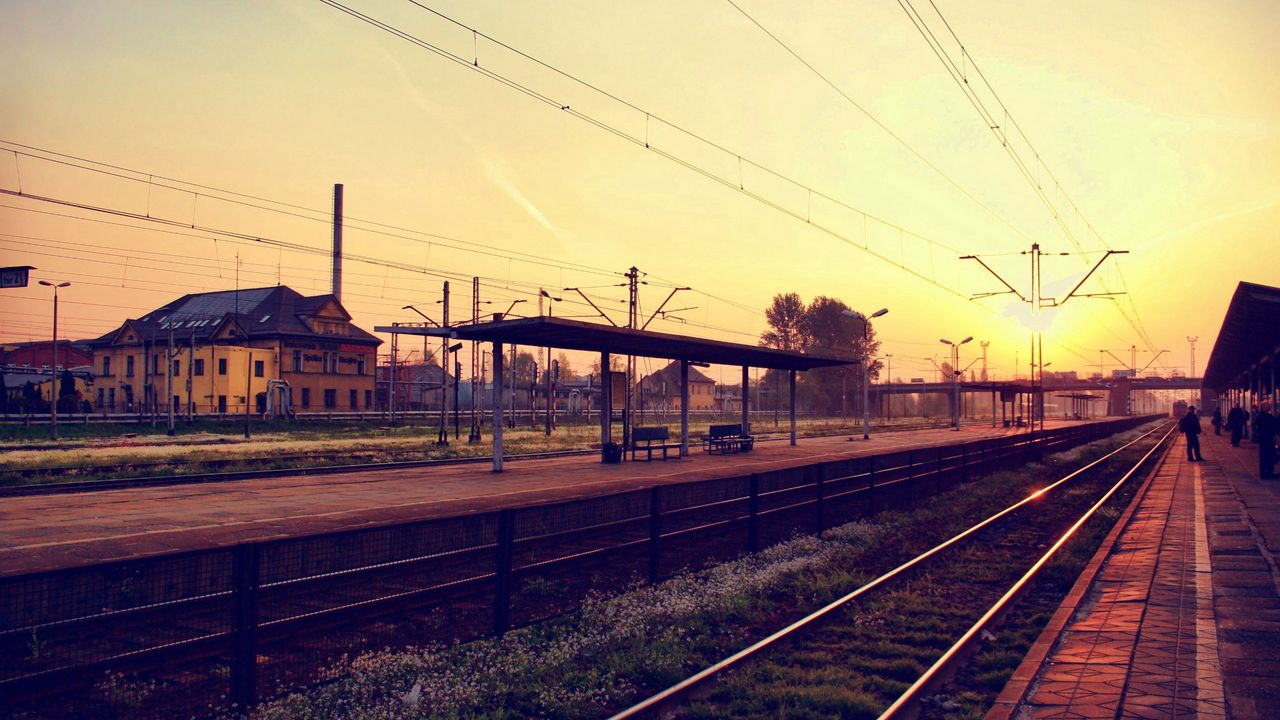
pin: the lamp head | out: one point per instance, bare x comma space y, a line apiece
945, 342
879, 312
968, 339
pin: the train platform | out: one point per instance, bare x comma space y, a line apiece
1178, 615
49, 532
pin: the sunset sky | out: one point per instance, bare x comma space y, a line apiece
1159, 120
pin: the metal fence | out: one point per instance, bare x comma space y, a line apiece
198, 633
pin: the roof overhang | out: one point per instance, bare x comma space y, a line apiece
566, 334
1250, 334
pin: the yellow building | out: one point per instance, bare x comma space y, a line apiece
661, 390
272, 348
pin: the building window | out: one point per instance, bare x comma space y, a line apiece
259, 368
222, 404
128, 366
360, 365
330, 399
177, 367
197, 366
111, 398
368, 399
306, 397
297, 361
101, 393
106, 365
351, 397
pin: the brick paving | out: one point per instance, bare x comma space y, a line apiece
1182, 618
48, 532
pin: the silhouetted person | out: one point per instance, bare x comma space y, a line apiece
1190, 426
1253, 425
1216, 421
1266, 427
1235, 423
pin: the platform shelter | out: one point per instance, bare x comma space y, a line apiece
1242, 367
565, 334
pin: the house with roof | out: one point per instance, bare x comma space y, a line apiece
265, 350
661, 390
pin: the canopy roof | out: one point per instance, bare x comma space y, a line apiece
565, 334
1250, 334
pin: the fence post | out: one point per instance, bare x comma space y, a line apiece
245, 564
753, 514
871, 486
502, 573
655, 534
911, 477
819, 491
937, 473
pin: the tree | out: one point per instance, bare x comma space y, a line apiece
616, 364
67, 392
785, 316
524, 367
566, 370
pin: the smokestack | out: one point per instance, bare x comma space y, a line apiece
337, 241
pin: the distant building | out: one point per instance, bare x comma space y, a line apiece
268, 349
30, 389
418, 386
71, 353
661, 390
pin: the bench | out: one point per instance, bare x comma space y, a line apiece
723, 439
653, 438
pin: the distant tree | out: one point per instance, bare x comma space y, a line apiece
617, 363
67, 392
566, 369
785, 316
524, 367
822, 325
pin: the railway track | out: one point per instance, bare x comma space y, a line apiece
878, 650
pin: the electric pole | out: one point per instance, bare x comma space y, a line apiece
1192, 341
474, 437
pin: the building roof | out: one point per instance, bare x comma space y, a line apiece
1250, 333
256, 312
671, 375
593, 337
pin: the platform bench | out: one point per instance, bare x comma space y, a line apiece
724, 439
650, 439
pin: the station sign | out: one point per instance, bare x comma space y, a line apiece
15, 277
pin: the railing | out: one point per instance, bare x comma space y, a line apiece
191, 633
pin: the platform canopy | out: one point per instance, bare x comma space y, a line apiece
1249, 338
564, 334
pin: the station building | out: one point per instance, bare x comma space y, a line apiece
265, 350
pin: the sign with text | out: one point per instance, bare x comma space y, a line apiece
15, 277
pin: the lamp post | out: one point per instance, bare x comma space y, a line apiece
866, 360
955, 378
53, 391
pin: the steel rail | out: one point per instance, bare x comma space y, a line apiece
682, 688
905, 705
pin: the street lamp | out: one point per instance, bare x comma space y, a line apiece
53, 391
955, 377
866, 360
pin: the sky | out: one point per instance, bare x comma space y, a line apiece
564, 142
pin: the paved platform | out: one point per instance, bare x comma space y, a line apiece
1179, 614
49, 532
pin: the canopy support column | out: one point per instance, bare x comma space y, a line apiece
498, 423
791, 381
684, 408
606, 402
746, 418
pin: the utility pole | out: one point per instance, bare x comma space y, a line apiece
985, 344
1192, 341
1037, 301
633, 322
442, 438
168, 375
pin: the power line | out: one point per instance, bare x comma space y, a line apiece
645, 140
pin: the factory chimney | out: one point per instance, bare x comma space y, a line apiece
337, 241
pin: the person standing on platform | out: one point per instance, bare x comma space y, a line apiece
1235, 423
1190, 426
1266, 426
1217, 421
1252, 432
